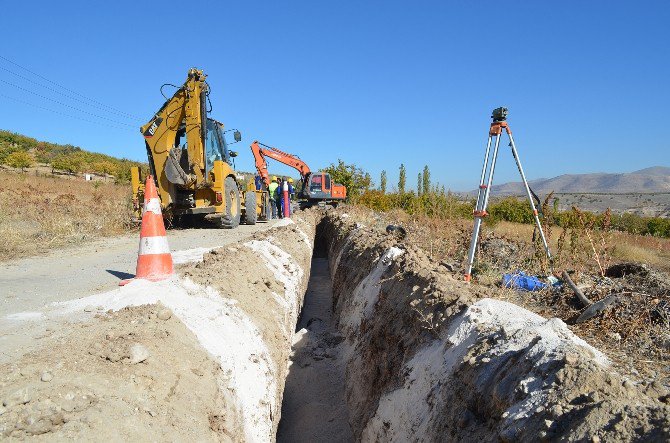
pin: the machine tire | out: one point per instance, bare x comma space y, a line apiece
231, 219
250, 215
268, 208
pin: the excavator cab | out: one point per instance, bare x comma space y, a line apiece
318, 186
216, 147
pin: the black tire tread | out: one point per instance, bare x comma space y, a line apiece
227, 220
250, 215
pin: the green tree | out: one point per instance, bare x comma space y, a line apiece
6, 149
426, 180
20, 159
402, 179
419, 184
354, 178
104, 167
66, 162
382, 182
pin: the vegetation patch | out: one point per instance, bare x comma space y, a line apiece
20, 151
40, 213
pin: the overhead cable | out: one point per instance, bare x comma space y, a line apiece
66, 88
64, 114
65, 104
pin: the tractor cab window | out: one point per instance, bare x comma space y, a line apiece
315, 183
215, 145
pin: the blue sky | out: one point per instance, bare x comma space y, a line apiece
376, 83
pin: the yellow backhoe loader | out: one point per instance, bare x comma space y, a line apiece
192, 165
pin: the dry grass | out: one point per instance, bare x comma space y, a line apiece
449, 239
38, 213
653, 251
634, 332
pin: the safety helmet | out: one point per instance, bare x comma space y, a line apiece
274, 178
290, 180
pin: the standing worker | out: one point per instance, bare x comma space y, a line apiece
291, 193
286, 202
277, 196
272, 189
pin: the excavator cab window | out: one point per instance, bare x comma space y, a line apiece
316, 183
326, 182
215, 145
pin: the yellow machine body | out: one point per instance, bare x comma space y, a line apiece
189, 159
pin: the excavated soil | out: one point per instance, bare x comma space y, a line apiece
434, 359
85, 384
203, 355
238, 347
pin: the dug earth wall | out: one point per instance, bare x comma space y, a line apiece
432, 358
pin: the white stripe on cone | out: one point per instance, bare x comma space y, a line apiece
153, 205
154, 245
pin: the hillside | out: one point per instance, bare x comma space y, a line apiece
21, 151
650, 180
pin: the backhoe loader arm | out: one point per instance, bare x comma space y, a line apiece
182, 116
275, 154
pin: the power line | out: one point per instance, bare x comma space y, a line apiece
64, 114
65, 104
102, 108
67, 89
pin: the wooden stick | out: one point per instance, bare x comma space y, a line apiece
580, 295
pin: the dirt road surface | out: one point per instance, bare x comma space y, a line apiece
28, 284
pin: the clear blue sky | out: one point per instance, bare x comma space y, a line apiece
376, 83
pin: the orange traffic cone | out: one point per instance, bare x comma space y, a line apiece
154, 261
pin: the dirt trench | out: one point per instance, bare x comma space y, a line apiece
322, 329
431, 358
314, 407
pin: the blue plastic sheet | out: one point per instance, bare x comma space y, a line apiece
519, 280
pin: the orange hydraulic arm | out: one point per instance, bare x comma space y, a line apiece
275, 154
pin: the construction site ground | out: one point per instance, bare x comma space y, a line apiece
68, 273
324, 327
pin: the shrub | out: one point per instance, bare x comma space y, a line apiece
67, 163
19, 159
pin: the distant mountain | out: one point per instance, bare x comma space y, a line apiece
649, 180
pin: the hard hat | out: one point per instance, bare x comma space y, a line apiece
290, 180
274, 178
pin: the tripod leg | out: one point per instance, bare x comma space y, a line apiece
482, 202
530, 198
481, 188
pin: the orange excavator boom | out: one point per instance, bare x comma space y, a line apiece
316, 188
283, 157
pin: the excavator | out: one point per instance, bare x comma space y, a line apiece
191, 164
316, 188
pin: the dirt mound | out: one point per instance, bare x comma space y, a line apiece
201, 355
432, 357
106, 379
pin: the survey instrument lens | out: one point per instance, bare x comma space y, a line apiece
499, 114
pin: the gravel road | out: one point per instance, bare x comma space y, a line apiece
29, 284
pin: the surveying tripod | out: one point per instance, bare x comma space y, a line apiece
499, 117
